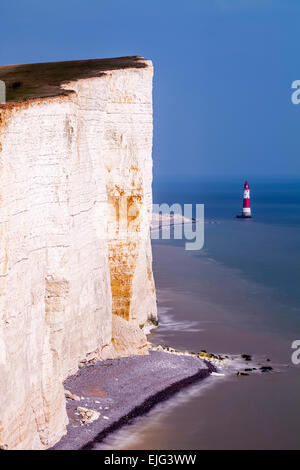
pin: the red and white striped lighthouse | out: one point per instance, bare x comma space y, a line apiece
246, 200
246, 203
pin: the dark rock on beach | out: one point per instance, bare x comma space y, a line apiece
266, 368
247, 357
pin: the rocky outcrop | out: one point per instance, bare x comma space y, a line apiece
127, 339
75, 209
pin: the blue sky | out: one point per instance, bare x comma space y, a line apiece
223, 72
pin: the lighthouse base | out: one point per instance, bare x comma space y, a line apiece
242, 216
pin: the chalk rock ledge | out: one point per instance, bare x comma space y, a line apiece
127, 338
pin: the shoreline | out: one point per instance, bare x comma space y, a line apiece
143, 382
148, 404
214, 319
132, 386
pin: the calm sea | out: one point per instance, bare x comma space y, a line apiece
265, 249
239, 294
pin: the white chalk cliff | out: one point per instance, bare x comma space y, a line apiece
76, 278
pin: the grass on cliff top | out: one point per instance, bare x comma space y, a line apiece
44, 79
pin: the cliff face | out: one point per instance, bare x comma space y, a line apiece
75, 256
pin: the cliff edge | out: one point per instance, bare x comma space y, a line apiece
76, 280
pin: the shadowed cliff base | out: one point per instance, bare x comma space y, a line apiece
123, 389
42, 80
